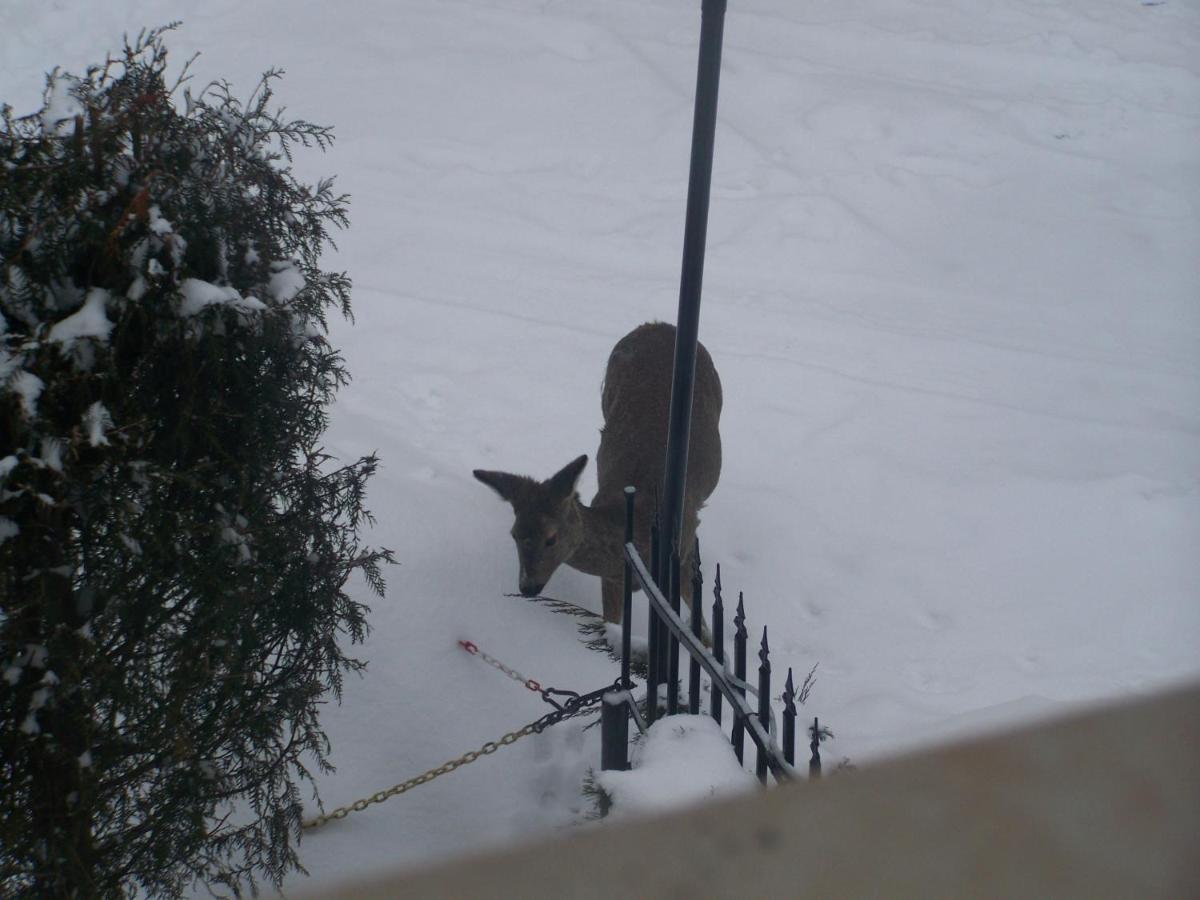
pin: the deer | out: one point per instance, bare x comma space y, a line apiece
553, 527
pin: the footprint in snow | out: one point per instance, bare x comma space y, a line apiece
934, 619
936, 678
815, 610
1029, 662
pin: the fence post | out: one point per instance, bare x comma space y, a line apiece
718, 633
737, 738
789, 720
814, 763
627, 605
614, 732
764, 703
698, 631
654, 658
673, 642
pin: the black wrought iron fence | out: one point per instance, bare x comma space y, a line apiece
667, 637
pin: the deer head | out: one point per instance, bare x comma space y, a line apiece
548, 527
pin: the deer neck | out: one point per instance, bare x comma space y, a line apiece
599, 553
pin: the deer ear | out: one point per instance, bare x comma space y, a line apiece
562, 482
502, 483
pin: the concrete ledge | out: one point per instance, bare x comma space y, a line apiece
1106, 804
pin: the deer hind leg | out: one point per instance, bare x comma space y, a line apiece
612, 594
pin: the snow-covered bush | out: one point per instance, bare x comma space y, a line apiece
174, 545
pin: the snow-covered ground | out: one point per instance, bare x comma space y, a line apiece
681, 760
953, 291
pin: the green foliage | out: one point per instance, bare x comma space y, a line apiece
174, 544
597, 801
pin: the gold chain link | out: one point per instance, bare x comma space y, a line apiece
575, 706
449, 766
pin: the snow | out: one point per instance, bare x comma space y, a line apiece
28, 387
158, 223
230, 535
638, 645
89, 321
286, 281
52, 454
58, 117
97, 419
661, 780
137, 289
198, 295
951, 291
36, 655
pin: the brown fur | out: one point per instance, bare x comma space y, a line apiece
553, 526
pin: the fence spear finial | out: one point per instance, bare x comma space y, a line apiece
764, 704
789, 720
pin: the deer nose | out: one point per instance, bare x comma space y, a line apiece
531, 590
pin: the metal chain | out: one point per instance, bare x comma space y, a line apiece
575, 706
547, 693
472, 648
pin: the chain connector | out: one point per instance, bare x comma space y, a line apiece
569, 695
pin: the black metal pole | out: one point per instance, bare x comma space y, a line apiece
627, 600
673, 643
738, 733
718, 635
655, 660
764, 703
697, 631
789, 720
704, 124
614, 732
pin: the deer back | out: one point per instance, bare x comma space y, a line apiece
636, 401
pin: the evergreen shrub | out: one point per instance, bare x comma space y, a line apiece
175, 546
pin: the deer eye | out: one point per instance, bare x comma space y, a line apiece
550, 541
